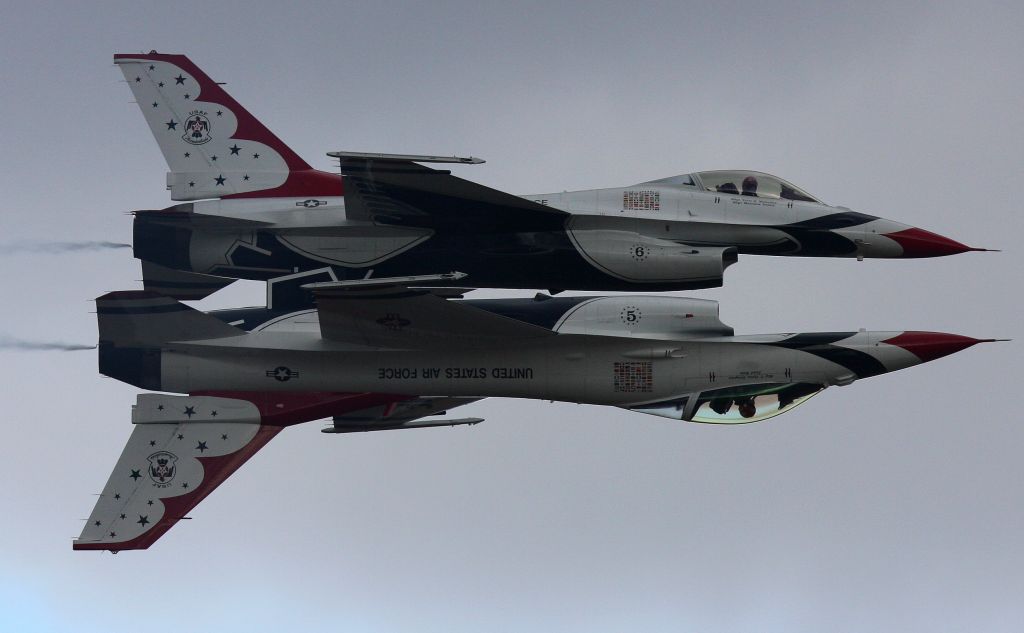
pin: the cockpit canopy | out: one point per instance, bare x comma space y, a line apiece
751, 183
735, 405
739, 183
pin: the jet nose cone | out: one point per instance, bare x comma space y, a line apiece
920, 243
931, 345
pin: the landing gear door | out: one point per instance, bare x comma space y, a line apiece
690, 409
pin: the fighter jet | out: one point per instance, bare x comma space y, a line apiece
388, 354
251, 208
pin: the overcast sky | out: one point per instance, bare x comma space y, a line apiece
894, 504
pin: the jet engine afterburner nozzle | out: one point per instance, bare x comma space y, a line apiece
162, 239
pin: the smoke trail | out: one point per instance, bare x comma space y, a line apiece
11, 343
59, 247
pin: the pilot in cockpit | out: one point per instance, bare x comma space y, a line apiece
750, 186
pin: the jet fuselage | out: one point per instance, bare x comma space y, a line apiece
684, 240
652, 354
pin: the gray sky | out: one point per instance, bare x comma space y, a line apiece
891, 505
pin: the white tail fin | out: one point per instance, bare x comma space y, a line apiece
172, 461
183, 447
213, 146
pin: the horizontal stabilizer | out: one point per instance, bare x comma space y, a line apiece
180, 285
183, 216
181, 449
140, 318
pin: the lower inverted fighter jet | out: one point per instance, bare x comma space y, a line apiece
251, 208
389, 355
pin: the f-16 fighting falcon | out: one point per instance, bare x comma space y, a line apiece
251, 208
385, 354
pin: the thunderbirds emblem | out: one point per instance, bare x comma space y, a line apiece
197, 128
162, 468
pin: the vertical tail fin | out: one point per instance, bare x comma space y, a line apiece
172, 461
213, 146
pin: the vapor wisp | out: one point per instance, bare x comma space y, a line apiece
59, 247
12, 343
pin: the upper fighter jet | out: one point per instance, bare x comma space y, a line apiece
380, 354
253, 209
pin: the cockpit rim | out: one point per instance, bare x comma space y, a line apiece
694, 180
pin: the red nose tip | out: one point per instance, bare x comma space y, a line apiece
931, 345
920, 243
